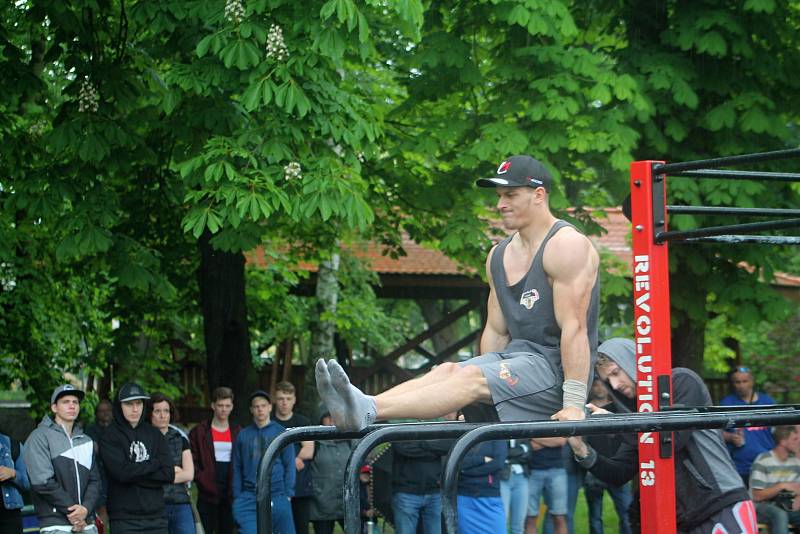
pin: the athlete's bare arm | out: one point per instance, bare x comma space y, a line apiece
495, 334
572, 262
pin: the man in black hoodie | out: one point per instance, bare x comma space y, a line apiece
138, 463
710, 496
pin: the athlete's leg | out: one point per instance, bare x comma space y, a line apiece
353, 410
465, 385
437, 375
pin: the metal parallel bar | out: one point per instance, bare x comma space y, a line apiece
406, 432
651, 308
730, 210
281, 441
739, 175
642, 423
735, 239
728, 161
680, 235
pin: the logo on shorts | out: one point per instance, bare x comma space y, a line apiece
507, 374
529, 298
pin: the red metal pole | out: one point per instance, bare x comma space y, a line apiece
653, 351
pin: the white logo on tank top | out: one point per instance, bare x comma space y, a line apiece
529, 298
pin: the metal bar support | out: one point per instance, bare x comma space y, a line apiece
735, 239
405, 432
728, 161
645, 423
662, 237
653, 343
738, 175
726, 210
281, 441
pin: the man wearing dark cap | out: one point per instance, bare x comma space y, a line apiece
251, 443
63, 474
540, 337
138, 463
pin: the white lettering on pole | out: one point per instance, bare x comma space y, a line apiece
644, 359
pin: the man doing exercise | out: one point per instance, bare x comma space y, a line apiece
539, 342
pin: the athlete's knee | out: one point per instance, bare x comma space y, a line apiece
446, 368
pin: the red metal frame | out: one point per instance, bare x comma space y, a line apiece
653, 350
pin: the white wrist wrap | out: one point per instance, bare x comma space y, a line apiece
574, 394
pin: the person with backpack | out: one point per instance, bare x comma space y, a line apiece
13, 480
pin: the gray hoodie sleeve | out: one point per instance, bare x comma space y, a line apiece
92, 492
42, 475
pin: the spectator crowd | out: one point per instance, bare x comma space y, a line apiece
134, 470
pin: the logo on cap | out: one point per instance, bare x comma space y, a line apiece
503, 168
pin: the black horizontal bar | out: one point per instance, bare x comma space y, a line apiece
604, 424
667, 168
403, 432
738, 239
739, 175
732, 210
680, 235
281, 441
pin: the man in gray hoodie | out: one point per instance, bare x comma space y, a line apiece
65, 482
710, 495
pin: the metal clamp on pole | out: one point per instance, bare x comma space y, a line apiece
403, 432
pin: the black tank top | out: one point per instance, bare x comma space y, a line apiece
527, 306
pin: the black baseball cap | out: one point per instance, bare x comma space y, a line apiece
259, 393
65, 389
130, 392
519, 171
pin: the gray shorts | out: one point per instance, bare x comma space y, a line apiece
524, 386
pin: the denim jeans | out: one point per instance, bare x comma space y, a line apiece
514, 492
244, 513
409, 507
179, 518
622, 498
776, 518
552, 485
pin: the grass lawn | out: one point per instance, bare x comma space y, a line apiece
610, 522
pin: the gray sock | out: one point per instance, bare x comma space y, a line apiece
359, 410
326, 392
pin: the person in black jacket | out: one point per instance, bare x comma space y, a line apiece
710, 496
138, 464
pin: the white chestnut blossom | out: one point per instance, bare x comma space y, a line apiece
292, 171
88, 99
234, 11
276, 47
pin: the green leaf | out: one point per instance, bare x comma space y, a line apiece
204, 44
519, 15
252, 95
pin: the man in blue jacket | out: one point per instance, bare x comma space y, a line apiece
251, 443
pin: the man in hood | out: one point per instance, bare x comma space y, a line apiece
710, 496
65, 483
138, 464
